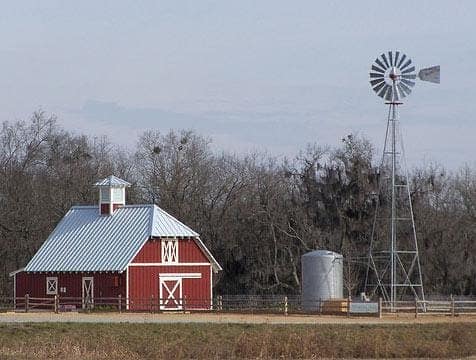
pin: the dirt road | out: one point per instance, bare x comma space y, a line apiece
165, 318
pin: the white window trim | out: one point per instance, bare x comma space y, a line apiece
49, 279
170, 251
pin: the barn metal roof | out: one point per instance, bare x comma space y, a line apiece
84, 240
112, 180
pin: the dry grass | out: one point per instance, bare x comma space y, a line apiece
208, 341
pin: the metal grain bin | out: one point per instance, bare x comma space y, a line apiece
322, 278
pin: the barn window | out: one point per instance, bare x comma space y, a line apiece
105, 195
169, 250
51, 285
118, 195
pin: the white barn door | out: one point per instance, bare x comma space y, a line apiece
88, 291
170, 293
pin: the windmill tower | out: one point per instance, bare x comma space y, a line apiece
393, 267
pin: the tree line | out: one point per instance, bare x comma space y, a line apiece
258, 214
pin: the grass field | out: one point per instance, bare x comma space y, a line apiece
208, 341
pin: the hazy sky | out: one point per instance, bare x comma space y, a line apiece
252, 75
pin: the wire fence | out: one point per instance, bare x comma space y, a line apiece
271, 304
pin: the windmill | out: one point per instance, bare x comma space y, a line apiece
393, 267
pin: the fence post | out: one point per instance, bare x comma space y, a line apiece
379, 307
285, 305
416, 308
452, 305
119, 303
56, 304
27, 302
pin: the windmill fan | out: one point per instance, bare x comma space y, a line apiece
393, 75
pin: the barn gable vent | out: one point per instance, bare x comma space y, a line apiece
112, 194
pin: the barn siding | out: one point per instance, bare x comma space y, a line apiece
150, 252
34, 284
189, 252
144, 286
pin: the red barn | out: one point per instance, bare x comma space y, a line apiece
137, 251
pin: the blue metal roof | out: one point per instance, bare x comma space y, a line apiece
84, 240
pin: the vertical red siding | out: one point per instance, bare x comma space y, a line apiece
150, 252
105, 208
34, 284
144, 286
189, 252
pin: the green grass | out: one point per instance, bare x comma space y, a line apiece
208, 341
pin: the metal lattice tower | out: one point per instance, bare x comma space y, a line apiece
393, 267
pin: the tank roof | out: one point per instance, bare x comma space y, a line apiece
317, 253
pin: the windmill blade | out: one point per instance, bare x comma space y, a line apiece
379, 63
409, 70
390, 56
397, 54
377, 75
385, 60
389, 94
376, 82
401, 60
383, 91
375, 68
408, 82
398, 93
408, 76
401, 91
405, 88
431, 74
378, 87
408, 62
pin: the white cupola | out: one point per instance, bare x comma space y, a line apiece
112, 194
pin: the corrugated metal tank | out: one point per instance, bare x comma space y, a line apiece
322, 277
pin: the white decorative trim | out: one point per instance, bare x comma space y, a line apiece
15, 291
13, 273
170, 300
91, 289
211, 286
170, 251
52, 285
169, 264
181, 275
127, 288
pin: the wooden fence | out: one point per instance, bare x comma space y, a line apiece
278, 304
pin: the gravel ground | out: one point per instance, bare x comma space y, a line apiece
10, 317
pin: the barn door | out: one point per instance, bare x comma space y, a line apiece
88, 291
170, 293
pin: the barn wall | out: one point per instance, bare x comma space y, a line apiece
144, 286
150, 252
189, 252
105, 284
